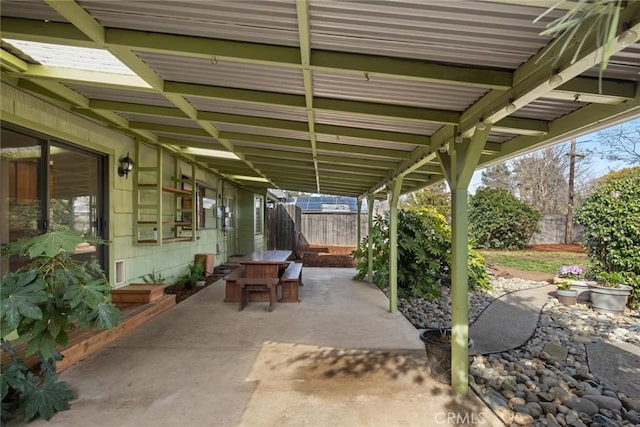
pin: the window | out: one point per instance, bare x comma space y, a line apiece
51, 185
258, 215
207, 206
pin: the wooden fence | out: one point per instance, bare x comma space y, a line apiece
283, 225
286, 223
552, 229
332, 229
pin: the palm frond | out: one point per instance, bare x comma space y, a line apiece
600, 17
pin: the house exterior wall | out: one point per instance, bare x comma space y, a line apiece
171, 259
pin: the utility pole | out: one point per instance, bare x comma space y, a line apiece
568, 233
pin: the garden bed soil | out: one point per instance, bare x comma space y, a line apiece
182, 292
328, 256
556, 247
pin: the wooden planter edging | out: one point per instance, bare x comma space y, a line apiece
83, 343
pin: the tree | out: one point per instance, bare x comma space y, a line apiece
541, 177
497, 219
435, 196
499, 176
621, 143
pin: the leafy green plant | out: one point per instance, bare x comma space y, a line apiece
497, 219
424, 254
154, 277
195, 273
611, 220
564, 285
41, 303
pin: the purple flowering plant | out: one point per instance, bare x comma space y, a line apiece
571, 271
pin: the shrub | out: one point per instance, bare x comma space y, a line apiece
424, 254
40, 304
611, 220
497, 219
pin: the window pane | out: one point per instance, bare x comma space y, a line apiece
20, 190
74, 191
21, 157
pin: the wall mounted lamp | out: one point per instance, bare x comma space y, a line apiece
126, 166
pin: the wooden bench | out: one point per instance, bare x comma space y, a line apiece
231, 286
290, 280
260, 284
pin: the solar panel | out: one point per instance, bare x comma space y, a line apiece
328, 203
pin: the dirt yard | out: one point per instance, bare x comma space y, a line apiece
556, 248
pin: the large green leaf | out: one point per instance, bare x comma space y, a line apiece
41, 343
19, 297
90, 294
50, 244
12, 376
47, 399
108, 315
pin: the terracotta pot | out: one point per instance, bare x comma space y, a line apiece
567, 296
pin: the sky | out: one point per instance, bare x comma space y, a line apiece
599, 166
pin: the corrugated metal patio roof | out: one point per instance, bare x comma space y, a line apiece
334, 97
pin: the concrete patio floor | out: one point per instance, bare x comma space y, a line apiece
338, 358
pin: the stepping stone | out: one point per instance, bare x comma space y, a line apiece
617, 364
555, 351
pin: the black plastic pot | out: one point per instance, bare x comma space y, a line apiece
437, 343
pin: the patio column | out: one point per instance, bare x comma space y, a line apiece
370, 201
358, 223
393, 244
458, 165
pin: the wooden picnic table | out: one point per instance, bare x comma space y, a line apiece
265, 264
262, 270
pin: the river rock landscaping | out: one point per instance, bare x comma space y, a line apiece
527, 386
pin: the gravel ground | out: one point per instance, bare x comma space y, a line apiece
525, 386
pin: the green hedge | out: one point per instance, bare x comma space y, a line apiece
611, 220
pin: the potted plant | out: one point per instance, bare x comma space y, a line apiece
565, 293
40, 304
610, 293
574, 276
437, 344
